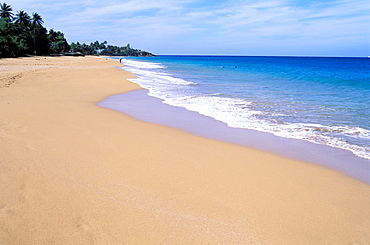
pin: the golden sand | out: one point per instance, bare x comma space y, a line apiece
72, 172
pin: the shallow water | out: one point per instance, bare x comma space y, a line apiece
321, 100
140, 105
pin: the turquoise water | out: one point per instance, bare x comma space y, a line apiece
322, 100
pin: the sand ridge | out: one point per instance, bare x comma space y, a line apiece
72, 172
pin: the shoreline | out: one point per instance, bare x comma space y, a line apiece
243, 98
74, 172
142, 106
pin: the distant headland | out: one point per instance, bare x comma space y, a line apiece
97, 48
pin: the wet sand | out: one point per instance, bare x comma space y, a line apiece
140, 105
75, 173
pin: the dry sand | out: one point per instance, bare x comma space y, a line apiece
72, 172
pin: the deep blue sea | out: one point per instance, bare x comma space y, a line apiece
322, 100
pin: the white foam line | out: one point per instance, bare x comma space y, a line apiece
237, 113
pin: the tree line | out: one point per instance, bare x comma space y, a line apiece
97, 48
22, 35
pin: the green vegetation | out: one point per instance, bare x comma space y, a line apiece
22, 35
97, 48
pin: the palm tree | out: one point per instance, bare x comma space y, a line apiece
37, 20
6, 12
36, 25
23, 27
23, 18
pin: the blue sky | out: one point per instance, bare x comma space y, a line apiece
229, 27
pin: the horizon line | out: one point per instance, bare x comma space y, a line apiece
244, 55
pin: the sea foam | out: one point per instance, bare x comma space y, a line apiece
241, 112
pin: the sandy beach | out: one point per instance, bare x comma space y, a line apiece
72, 172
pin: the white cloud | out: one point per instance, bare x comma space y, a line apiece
179, 25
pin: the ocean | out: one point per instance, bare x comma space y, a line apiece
321, 100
